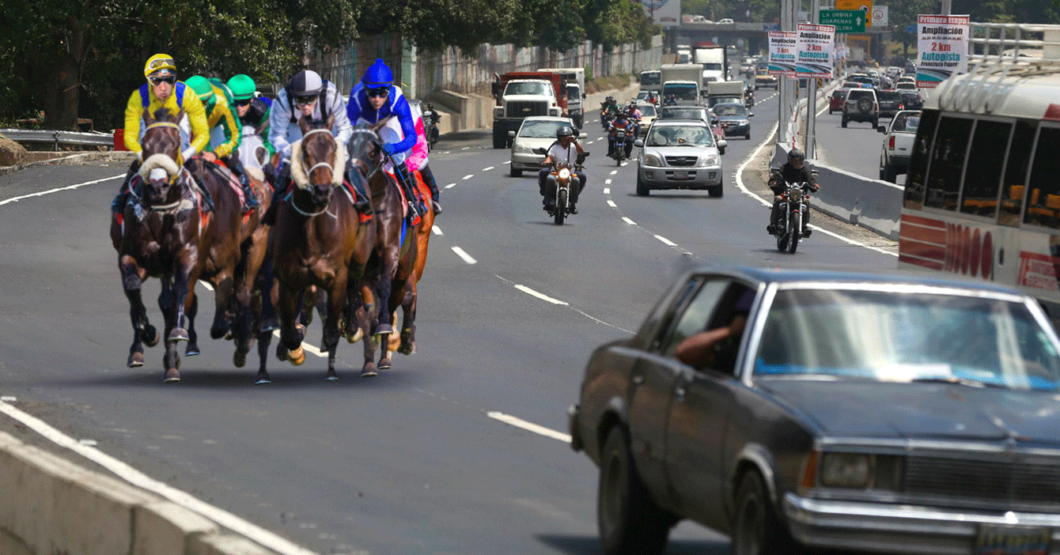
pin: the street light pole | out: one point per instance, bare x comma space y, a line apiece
811, 98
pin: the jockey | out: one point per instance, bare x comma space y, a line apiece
417, 159
310, 96
374, 99
162, 90
253, 111
219, 113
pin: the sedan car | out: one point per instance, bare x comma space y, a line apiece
698, 113
890, 103
835, 101
535, 132
860, 411
648, 113
734, 119
679, 154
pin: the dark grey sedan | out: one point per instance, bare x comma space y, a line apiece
823, 409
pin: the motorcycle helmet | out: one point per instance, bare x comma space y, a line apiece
564, 131
430, 106
796, 154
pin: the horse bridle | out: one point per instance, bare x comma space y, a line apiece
318, 164
172, 179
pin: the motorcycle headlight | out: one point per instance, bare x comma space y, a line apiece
652, 160
846, 470
564, 173
711, 160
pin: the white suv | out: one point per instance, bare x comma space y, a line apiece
861, 105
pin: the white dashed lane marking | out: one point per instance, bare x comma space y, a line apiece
628, 221
541, 296
487, 169
437, 230
613, 172
607, 182
612, 204
529, 426
607, 190
468, 176
450, 186
666, 241
464, 255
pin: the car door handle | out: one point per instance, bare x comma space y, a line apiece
638, 379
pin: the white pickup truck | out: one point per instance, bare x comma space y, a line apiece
898, 139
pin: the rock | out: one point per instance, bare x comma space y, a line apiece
11, 153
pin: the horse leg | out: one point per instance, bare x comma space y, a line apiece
291, 332
364, 316
336, 298
264, 342
351, 328
383, 290
132, 283
222, 319
408, 322
386, 347
265, 282
184, 277
192, 348
171, 360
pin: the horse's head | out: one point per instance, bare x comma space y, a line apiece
366, 148
161, 150
317, 162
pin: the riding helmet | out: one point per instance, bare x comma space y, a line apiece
160, 65
378, 75
564, 131
242, 87
306, 83
202, 87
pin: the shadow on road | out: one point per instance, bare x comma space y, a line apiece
305, 378
590, 545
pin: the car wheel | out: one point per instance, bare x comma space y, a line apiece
718, 190
747, 136
514, 172
844, 122
875, 123
757, 530
499, 140
629, 521
721, 150
889, 174
642, 188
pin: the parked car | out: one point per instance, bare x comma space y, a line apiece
535, 132
679, 154
725, 21
890, 102
853, 411
835, 102
700, 113
897, 146
860, 105
735, 119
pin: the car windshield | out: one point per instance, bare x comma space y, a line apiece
680, 135
649, 78
528, 88
684, 113
730, 110
681, 92
573, 93
646, 110
905, 337
540, 129
889, 96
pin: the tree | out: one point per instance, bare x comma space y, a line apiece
613, 22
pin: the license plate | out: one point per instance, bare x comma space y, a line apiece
1008, 540
680, 176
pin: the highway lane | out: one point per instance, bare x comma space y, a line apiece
855, 149
411, 461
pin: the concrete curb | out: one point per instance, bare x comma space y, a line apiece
50, 505
73, 159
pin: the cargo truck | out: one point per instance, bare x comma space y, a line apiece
525, 93
727, 91
575, 91
714, 60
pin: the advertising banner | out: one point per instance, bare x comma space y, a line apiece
815, 50
942, 46
666, 13
782, 48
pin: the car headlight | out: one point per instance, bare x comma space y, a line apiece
711, 160
564, 173
745, 122
521, 148
652, 160
846, 470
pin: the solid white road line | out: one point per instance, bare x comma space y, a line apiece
666, 241
141, 480
463, 254
628, 221
541, 296
465, 148
60, 189
612, 204
607, 190
529, 426
487, 169
468, 176
450, 186
437, 230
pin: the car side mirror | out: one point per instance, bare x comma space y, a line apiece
540, 150
511, 134
638, 143
583, 95
882, 129
750, 114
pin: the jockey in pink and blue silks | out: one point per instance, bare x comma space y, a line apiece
374, 99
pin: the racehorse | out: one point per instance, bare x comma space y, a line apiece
157, 234
318, 239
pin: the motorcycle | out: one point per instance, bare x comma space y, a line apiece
622, 138
430, 119
605, 118
750, 100
565, 179
793, 207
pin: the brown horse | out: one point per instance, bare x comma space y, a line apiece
318, 239
233, 252
158, 235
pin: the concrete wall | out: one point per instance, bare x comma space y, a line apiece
50, 506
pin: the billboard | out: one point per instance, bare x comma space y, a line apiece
782, 48
942, 48
666, 13
815, 50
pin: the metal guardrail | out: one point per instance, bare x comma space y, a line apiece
58, 137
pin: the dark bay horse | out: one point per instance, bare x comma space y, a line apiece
158, 235
318, 239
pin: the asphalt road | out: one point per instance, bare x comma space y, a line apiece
855, 149
411, 461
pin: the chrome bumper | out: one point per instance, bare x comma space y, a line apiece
900, 528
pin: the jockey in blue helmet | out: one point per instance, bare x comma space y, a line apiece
374, 99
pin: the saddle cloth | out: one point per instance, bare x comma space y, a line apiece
230, 178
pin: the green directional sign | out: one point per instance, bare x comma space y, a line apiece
845, 21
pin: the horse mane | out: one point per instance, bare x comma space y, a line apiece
298, 171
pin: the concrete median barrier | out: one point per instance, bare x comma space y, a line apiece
49, 505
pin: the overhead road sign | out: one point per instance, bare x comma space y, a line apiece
845, 21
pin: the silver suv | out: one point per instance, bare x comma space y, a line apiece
861, 105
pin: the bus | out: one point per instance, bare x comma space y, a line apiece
982, 195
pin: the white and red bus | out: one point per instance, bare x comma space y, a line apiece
982, 196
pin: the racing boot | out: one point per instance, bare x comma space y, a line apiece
250, 199
404, 178
432, 185
363, 203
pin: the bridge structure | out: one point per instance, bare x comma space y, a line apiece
749, 37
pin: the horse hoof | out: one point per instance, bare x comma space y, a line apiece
332, 375
192, 349
384, 364
369, 370
229, 335
239, 359
355, 336
297, 356
171, 375
150, 336
406, 349
263, 378
281, 352
177, 334
384, 329
136, 360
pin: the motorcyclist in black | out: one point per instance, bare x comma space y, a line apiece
622, 122
430, 118
794, 171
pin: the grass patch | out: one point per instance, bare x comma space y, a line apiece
600, 84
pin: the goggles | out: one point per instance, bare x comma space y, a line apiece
161, 63
168, 79
244, 103
381, 92
305, 100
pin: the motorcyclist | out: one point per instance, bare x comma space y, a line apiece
652, 98
749, 96
633, 115
671, 100
794, 171
622, 122
219, 113
430, 118
608, 110
566, 150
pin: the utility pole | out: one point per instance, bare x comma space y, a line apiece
787, 23
947, 7
811, 98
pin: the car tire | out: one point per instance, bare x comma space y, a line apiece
747, 136
721, 150
514, 172
756, 528
642, 188
844, 122
889, 174
718, 190
875, 123
499, 140
629, 521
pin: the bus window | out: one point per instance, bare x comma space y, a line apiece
914, 183
982, 179
947, 163
1019, 158
1043, 207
